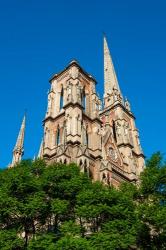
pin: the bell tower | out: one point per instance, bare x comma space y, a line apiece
72, 123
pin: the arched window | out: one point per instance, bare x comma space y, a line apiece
58, 137
87, 137
61, 99
85, 167
114, 131
84, 99
108, 179
90, 174
80, 163
104, 176
65, 161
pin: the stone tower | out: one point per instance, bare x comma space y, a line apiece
18, 150
72, 126
101, 139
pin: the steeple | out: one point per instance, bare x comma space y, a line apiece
19, 147
110, 78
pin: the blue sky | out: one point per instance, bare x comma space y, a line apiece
39, 38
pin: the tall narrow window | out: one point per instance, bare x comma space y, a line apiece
61, 100
65, 161
114, 131
87, 137
84, 99
85, 167
58, 137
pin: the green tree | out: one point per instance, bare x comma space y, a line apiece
58, 207
152, 204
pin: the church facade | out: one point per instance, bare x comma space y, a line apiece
98, 135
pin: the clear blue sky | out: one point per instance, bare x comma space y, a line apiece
39, 38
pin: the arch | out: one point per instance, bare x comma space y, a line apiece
58, 137
83, 99
80, 163
108, 179
103, 176
114, 131
86, 136
65, 161
60, 160
61, 99
85, 167
90, 174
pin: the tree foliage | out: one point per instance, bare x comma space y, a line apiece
57, 207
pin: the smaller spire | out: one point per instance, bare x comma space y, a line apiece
20, 138
19, 147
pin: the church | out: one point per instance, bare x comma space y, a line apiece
98, 135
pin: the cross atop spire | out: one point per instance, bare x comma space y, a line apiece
110, 78
19, 147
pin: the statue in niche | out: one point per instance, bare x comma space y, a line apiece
106, 178
118, 129
103, 150
97, 106
84, 134
49, 104
132, 163
137, 137
78, 91
100, 105
74, 72
68, 124
93, 88
125, 130
127, 105
115, 94
78, 121
124, 158
69, 91
64, 133
112, 153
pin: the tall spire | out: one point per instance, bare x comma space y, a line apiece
19, 147
110, 78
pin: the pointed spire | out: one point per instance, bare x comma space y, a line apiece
110, 78
19, 147
20, 138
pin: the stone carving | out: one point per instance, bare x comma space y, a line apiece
112, 153
49, 104
74, 72
69, 92
127, 105
68, 124
116, 95
118, 129
78, 91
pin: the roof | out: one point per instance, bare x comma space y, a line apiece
73, 63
